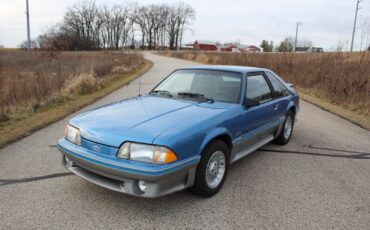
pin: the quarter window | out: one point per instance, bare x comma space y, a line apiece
258, 88
279, 89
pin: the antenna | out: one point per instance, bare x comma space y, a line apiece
140, 73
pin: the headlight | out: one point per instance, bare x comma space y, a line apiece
72, 134
146, 153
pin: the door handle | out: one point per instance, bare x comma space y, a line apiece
276, 107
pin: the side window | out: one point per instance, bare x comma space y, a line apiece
258, 88
279, 89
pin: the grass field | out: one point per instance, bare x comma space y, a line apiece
338, 82
29, 81
37, 89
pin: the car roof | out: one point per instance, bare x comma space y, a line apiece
230, 68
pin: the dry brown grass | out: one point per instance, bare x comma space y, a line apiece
78, 85
23, 124
339, 78
29, 81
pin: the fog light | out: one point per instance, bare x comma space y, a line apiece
142, 185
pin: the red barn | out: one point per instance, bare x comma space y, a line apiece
227, 48
205, 45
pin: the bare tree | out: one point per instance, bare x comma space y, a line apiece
150, 20
117, 22
84, 22
140, 19
158, 15
88, 26
180, 15
106, 33
172, 27
185, 14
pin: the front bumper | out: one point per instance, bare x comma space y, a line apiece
123, 176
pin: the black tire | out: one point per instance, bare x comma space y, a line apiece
282, 139
201, 187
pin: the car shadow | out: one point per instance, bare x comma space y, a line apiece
350, 155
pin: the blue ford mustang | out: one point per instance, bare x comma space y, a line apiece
183, 134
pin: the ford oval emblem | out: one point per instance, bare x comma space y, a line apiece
96, 148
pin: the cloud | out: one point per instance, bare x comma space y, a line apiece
324, 22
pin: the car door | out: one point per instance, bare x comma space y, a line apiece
258, 123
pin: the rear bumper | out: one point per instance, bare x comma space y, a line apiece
123, 177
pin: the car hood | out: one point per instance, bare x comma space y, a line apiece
139, 119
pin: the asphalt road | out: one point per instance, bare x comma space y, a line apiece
320, 180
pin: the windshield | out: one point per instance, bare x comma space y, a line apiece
214, 85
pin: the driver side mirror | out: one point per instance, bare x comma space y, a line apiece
250, 102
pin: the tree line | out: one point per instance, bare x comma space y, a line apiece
89, 26
287, 45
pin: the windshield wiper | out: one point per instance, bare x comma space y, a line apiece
196, 96
162, 92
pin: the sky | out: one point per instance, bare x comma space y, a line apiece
327, 23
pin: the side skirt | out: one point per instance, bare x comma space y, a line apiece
252, 148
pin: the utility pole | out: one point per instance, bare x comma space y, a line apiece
296, 35
354, 24
28, 27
